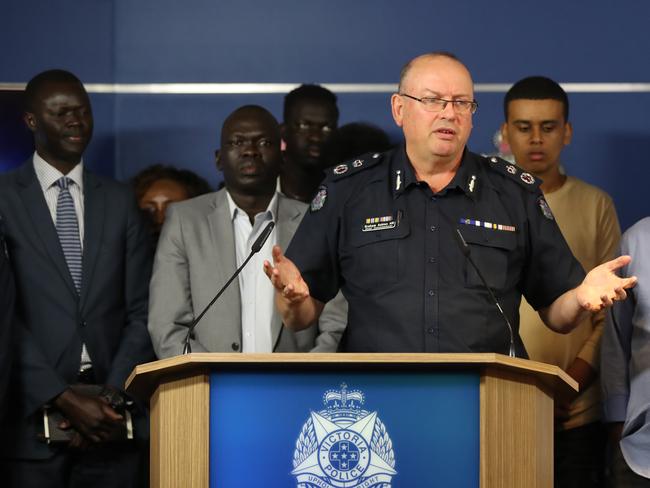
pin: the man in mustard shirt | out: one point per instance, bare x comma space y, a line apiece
537, 128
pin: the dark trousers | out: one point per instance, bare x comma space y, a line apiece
119, 466
620, 475
580, 457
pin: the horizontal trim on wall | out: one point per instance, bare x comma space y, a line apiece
253, 88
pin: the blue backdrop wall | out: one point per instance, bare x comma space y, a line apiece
118, 43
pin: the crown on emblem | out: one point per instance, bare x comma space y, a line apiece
343, 400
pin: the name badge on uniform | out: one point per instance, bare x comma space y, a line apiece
380, 223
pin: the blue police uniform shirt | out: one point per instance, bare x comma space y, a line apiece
388, 242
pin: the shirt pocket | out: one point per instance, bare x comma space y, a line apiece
489, 251
377, 257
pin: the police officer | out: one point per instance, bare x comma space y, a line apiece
384, 228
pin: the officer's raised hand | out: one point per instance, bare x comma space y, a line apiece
286, 277
602, 287
297, 308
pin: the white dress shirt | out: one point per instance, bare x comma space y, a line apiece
256, 292
47, 176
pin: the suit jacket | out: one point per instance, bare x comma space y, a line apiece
7, 293
52, 320
195, 257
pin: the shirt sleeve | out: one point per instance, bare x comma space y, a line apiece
331, 324
551, 268
6, 323
607, 243
616, 352
615, 355
135, 344
170, 298
314, 247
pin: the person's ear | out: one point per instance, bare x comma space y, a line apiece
504, 133
568, 133
30, 121
397, 108
217, 159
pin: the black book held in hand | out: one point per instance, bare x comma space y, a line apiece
52, 417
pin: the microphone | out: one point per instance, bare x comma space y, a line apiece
259, 242
467, 252
255, 248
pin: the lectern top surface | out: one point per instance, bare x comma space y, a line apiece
144, 379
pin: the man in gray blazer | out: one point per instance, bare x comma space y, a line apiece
81, 263
205, 239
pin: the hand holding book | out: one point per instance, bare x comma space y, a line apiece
88, 413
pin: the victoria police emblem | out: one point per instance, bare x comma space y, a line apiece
319, 199
546, 210
344, 446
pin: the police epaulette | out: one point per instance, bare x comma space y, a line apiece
354, 166
513, 172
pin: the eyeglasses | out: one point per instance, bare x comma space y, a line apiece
304, 126
434, 104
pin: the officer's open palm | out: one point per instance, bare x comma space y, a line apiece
602, 287
286, 277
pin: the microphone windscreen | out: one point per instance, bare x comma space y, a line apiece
259, 242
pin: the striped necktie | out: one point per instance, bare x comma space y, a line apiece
67, 227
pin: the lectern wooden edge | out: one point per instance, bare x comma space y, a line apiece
516, 408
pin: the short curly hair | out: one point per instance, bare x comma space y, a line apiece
309, 92
537, 88
36, 84
193, 183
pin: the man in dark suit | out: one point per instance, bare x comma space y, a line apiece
7, 293
82, 264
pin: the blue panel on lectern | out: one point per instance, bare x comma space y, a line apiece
344, 429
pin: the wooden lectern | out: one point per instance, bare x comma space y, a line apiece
514, 409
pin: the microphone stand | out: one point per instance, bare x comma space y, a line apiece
468, 254
255, 248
